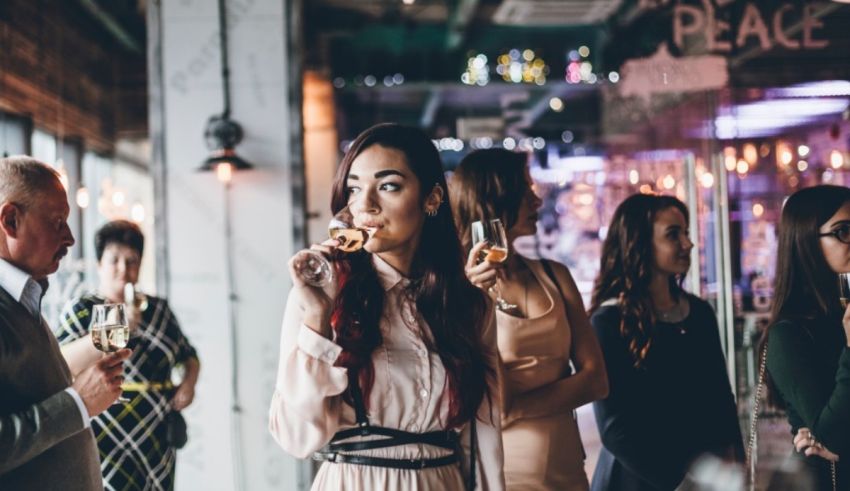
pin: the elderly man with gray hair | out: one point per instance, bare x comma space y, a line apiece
45, 439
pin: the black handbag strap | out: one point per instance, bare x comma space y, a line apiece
473, 449
357, 398
752, 442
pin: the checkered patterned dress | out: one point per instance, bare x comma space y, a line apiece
131, 436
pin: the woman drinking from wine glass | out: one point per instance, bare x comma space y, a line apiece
670, 400
542, 325
146, 458
388, 372
808, 360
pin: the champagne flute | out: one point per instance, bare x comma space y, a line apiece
844, 289
136, 302
109, 330
132, 296
493, 232
316, 269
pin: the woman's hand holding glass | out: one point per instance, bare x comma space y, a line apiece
492, 234
482, 274
315, 301
312, 270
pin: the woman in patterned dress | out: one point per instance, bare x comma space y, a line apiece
132, 439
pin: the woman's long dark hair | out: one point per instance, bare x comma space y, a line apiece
488, 184
453, 308
626, 269
805, 286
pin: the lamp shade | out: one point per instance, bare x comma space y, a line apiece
222, 134
225, 156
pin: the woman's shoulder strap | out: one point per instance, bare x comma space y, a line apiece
550, 272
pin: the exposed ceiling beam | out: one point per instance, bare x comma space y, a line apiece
113, 26
431, 106
458, 20
539, 104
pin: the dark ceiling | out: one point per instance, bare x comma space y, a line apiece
430, 42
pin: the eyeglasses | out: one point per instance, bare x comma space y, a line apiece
842, 233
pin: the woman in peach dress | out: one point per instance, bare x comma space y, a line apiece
542, 328
388, 375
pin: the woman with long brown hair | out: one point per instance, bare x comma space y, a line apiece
670, 400
545, 332
389, 373
808, 360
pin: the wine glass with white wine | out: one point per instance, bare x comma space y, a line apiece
844, 289
493, 232
109, 329
316, 269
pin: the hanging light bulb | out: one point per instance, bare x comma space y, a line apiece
118, 198
137, 212
83, 198
784, 154
224, 172
836, 160
729, 158
751, 154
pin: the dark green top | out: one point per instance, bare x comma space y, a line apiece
809, 364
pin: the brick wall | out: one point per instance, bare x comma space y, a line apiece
63, 70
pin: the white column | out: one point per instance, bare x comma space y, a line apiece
263, 223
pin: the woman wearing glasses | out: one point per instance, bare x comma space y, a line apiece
388, 374
542, 331
670, 400
808, 360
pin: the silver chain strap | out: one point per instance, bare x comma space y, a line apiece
751, 462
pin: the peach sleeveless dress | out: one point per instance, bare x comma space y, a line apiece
540, 453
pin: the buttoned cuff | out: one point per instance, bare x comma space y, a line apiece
84, 413
318, 346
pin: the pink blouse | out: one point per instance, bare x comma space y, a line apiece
409, 393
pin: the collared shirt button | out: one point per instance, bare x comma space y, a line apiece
423, 393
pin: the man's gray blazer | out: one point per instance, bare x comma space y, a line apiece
43, 442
